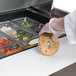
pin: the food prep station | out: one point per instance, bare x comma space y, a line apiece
17, 28
17, 33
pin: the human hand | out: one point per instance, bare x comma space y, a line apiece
55, 26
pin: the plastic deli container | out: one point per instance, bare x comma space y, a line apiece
8, 46
29, 24
16, 32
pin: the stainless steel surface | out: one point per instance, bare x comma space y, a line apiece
6, 5
57, 13
68, 71
45, 7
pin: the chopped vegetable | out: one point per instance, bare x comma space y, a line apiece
8, 30
31, 27
22, 32
19, 37
4, 42
14, 51
6, 50
25, 23
32, 45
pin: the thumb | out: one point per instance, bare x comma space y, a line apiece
54, 38
41, 32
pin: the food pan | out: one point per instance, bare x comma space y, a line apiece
8, 46
16, 32
28, 23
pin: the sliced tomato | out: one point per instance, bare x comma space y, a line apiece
14, 51
4, 42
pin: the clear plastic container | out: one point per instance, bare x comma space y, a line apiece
1, 55
29, 24
8, 46
15, 31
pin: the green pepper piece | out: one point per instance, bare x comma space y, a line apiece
25, 23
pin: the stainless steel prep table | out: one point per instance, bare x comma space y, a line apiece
31, 62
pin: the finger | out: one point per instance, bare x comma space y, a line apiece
41, 32
54, 37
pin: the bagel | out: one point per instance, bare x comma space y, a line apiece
46, 45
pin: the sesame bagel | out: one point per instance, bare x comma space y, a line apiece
46, 45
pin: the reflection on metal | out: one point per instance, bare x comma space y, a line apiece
57, 13
45, 7
6, 5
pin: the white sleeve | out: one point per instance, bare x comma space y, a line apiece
70, 27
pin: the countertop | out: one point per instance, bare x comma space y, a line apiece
32, 63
